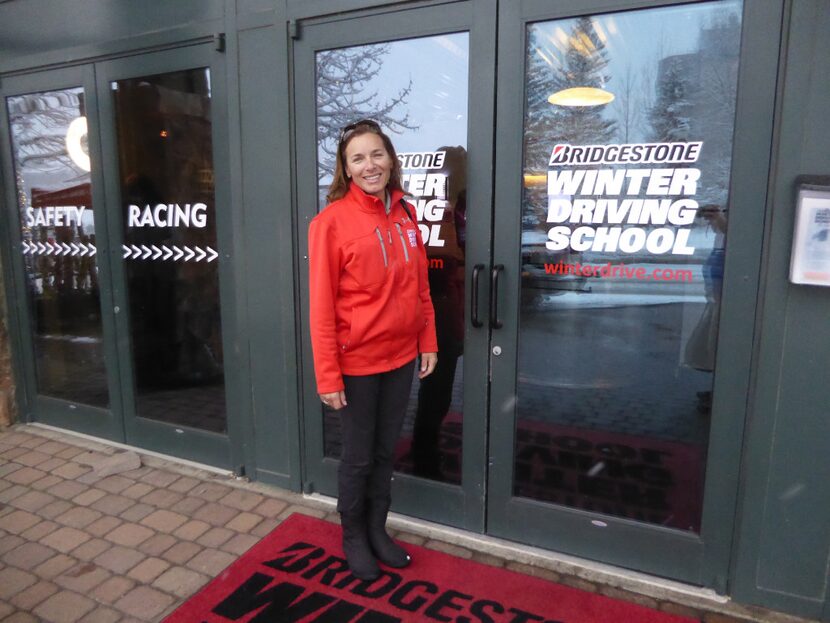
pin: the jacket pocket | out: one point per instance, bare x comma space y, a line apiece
403, 242
355, 331
367, 259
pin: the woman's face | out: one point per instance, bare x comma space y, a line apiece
368, 164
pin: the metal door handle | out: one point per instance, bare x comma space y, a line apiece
477, 323
495, 322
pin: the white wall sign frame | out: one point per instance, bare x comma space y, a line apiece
810, 257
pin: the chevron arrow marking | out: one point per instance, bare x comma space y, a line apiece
212, 255
178, 253
167, 252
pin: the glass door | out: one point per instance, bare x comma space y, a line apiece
426, 75
58, 231
614, 197
170, 217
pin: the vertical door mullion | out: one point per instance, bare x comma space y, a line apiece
507, 198
104, 242
108, 145
481, 133
17, 304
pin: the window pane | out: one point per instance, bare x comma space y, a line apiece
417, 90
166, 158
627, 154
54, 195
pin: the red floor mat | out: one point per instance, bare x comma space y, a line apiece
297, 574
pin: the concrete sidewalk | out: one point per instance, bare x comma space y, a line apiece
77, 547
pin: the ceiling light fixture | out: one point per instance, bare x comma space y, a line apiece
74, 135
581, 96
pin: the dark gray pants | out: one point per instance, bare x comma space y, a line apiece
371, 425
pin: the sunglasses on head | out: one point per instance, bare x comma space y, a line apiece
348, 129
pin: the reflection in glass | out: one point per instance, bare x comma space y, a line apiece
166, 163
417, 90
622, 258
54, 192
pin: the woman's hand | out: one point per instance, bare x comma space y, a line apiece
335, 400
428, 363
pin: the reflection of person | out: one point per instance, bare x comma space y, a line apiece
447, 290
700, 349
371, 314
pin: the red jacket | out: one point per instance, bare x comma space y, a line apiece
371, 310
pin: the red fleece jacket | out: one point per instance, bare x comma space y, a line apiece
371, 310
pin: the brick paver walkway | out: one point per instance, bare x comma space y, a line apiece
75, 548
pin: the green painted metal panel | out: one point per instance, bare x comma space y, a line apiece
49, 28
784, 537
269, 250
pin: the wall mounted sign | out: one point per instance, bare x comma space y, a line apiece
172, 252
427, 191
58, 248
626, 199
810, 257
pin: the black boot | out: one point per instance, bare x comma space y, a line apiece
356, 546
384, 548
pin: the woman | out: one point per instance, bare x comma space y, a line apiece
371, 314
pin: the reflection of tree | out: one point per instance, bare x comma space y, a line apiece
583, 63
670, 114
39, 122
343, 98
695, 97
628, 103
586, 61
719, 48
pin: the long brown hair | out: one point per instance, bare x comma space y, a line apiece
340, 184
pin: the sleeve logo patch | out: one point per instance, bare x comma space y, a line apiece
413, 240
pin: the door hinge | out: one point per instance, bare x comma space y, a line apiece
294, 29
219, 41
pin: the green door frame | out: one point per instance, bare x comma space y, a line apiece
86, 419
703, 559
460, 506
221, 450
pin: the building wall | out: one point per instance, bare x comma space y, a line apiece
7, 402
784, 534
785, 506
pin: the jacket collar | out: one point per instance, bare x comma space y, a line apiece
370, 203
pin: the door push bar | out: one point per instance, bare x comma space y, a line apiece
477, 323
495, 321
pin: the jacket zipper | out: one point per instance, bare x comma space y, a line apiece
382, 247
403, 242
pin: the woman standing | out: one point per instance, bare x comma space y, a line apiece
371, 315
